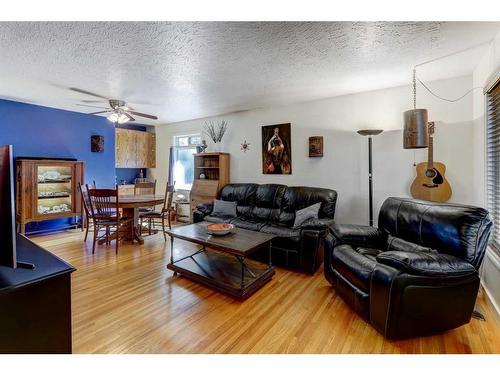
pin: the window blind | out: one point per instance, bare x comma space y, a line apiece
493, 161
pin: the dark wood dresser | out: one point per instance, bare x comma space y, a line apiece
35, 305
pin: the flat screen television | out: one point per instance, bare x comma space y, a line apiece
7, 209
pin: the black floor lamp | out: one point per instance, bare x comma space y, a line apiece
370, 133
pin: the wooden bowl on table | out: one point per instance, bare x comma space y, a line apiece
219, 229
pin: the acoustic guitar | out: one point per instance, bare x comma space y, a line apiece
430, 184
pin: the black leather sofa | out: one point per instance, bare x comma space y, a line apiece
270, 208
417, 273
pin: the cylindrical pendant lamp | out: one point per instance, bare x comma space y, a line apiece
416, 131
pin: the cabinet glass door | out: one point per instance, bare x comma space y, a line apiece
54, 189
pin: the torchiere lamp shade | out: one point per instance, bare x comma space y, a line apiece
416, 130
370, 132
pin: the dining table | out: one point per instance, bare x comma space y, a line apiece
130, 204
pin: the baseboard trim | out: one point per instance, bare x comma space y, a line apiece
489, 297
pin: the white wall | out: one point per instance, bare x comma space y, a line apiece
344, 166
487, 69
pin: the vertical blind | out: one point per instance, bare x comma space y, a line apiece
493, 161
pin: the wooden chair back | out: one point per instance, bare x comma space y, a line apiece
85, 199
103, 203
148, 188
169, 196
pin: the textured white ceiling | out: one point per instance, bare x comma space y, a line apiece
185, 70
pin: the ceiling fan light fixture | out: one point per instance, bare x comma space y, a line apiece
113, 117
123, 118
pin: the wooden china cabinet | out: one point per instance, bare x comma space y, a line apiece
47, 189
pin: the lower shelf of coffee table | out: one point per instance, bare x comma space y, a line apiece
222, 272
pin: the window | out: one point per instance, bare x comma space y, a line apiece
493, 161
184, 148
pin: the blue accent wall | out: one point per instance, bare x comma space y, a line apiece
53, 133
41, 131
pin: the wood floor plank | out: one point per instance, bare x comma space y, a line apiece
131, 303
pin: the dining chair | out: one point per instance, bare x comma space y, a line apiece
163, 214
105, 215
145, 188
86, 209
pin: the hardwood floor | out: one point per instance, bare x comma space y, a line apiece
131, 303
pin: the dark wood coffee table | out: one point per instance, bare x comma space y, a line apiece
221, 262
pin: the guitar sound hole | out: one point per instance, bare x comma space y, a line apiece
430, 173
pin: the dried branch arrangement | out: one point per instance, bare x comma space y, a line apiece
215, 130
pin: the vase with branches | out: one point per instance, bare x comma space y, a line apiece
215, 131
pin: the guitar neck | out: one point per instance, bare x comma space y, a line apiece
430, 153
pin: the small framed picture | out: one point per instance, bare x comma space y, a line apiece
315, 146
97, 143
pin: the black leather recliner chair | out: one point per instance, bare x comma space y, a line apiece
417, 273
270, 208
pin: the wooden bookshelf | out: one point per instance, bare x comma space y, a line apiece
214, 167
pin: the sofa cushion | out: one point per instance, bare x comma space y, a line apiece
298, 197
246, 223
267, 205
218, 219
224, 208
242, 194
282, 231
426, 263
305, 214
355, 267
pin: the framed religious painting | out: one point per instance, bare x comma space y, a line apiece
276, 149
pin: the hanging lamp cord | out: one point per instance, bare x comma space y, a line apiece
436, 95
415, 78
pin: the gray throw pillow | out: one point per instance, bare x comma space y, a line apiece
307, 213
224, 208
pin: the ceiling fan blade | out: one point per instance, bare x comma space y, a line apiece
87, 93
91, 106
130, 117
96, 113
144, 115
94, 101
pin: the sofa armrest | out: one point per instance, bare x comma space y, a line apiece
426, 263
205, 208
312, 249
358, 235
202, 210
316, 224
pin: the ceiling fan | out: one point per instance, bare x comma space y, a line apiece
120, 113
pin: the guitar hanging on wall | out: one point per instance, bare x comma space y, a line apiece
430, 184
